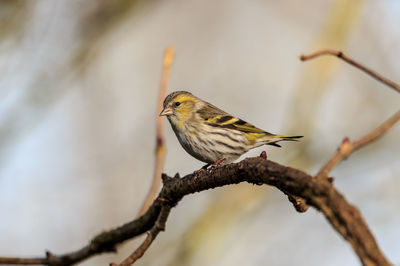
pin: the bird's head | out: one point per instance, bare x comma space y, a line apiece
179, 106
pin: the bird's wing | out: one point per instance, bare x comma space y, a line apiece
214, 116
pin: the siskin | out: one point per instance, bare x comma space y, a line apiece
210, 134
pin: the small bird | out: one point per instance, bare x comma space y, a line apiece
210, 134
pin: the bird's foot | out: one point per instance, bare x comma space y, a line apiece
208, 167
216, 164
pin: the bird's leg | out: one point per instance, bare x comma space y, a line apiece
213, 165
209, 167
216, 164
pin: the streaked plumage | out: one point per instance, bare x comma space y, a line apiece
210, 134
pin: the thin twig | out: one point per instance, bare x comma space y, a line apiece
22, 261
343, 56
151, 235
160, 150
347, 147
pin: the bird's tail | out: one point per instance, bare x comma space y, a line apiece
272, 140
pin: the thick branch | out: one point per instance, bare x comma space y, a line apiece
354, 63
321, 194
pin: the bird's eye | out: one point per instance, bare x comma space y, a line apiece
177, 104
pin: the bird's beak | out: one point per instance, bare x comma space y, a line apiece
166, 111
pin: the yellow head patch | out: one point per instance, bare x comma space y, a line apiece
178, 96
184, 97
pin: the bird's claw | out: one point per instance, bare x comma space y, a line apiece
209, 167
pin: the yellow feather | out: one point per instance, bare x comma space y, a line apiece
253, 137
230, 121
184, 97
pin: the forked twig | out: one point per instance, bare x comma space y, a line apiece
151, 235
347, 147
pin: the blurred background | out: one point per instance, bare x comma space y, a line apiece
78, 91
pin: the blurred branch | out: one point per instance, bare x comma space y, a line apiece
352, 62
319, 193
158, 226
347, 147
160, 143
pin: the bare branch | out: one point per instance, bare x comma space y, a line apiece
347, 147
302, 189
341, 55
160, 144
